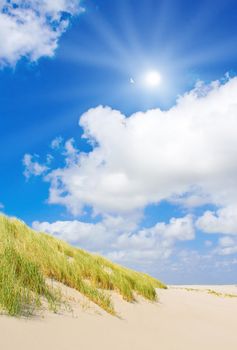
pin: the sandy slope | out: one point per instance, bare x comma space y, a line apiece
182, 320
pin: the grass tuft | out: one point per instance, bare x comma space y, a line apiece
27, 258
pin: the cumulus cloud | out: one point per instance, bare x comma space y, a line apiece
92, 236
120, 239
186, 154
224, 220
56, 143
32, 166
227, 245
31, 28
70, 152
154, 243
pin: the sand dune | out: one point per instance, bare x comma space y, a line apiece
181, 320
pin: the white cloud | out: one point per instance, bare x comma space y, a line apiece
70, 152
153, 243
186, 154
208, 243
32, 166
56, 143
227, 245
224, 221
88, 235
120, 239
31, 28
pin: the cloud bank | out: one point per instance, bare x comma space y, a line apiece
120, 239
31, 28
185, 155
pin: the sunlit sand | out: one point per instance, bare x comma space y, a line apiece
186, 317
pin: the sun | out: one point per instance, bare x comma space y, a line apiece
152, 78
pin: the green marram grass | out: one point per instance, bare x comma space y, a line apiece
29, 258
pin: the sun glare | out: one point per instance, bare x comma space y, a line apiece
152, 78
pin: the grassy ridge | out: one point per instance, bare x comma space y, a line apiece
27, 258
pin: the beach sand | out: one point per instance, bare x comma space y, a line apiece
181, 320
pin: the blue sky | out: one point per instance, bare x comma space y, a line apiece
90, 153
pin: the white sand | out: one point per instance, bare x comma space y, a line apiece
182, 320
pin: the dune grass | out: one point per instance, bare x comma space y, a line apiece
223, 295
28, 258
208, 291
